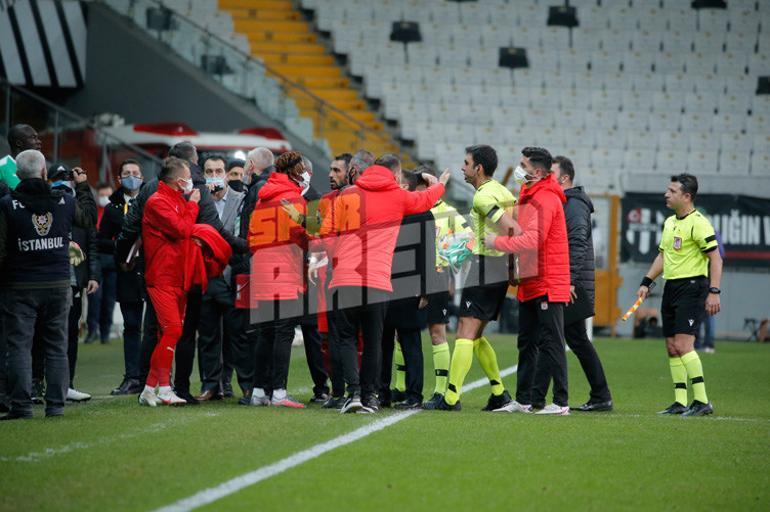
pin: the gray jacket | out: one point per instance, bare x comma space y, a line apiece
577, 212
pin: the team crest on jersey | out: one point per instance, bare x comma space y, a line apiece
677, 242
42, 223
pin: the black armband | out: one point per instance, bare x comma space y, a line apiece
649, 283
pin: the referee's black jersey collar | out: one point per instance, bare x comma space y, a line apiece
686, 215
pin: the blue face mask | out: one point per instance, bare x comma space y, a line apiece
217, 182
131, 183
61, 184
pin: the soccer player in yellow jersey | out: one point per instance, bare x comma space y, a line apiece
486, 286
692, 268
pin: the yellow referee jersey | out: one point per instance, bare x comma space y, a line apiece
490, 202
685, 243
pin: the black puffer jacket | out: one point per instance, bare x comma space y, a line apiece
577, 211
240, 262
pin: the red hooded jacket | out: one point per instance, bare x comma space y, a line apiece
276, 242
167, 224
360, 236
542, 246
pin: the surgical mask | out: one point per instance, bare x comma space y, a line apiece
131, 183
104, 201
304, 181
217, 182
188, 185
63, 184
521, 176
236, 185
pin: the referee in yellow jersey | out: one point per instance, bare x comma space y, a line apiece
692, 268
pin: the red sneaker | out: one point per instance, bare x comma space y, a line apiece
287, 402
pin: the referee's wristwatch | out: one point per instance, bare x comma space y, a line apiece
715, 290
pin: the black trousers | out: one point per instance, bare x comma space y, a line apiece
541, 353
360, 308
577, 340
315, 360
149, 339
185, 348
336, 376
132, 337
222, 343
411, 348
274, 338
73, 331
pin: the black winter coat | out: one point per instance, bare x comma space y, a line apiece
130, 284
577, 212
90, 269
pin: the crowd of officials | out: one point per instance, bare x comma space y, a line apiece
233, 258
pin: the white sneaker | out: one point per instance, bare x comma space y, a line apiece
170, 398
148, 398
554, 410
515, 406
709, 350
73, 395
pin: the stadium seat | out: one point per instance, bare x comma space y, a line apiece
734, 162
668, 159
638, 159
702, 161
671, 141
738, 104
703, 141
757, 124
662, 120
736, 142
632, 120
760, 163
728, 123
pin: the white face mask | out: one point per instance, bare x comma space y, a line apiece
104, 201
305, 181
520, 175
188, 185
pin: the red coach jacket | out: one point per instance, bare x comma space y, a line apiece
276, 242
542, 246
360, 236
167, 224
206, 260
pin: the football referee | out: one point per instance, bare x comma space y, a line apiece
692, 268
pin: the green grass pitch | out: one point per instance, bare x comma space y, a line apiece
111, 454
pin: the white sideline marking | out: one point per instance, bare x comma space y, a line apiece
80, 445
238, 483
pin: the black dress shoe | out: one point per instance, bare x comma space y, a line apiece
444, 406
4, 408
594, 407
186, 396
209, 395
127, 387
227, 390
319, 398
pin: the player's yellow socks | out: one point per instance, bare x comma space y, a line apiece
462, 357
679, 376
441, 366
692, 363
398, 358
488, 360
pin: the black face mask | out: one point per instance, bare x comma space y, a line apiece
236, 185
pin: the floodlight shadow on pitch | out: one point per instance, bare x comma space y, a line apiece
405, 32
763, 85
511, 57
562, 16
160, 19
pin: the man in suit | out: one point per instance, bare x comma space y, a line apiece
220, 347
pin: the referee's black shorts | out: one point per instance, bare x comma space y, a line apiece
485, 288
438, 302
684, 305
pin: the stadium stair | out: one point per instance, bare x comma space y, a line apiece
279, 35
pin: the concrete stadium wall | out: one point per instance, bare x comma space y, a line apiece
744, 295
